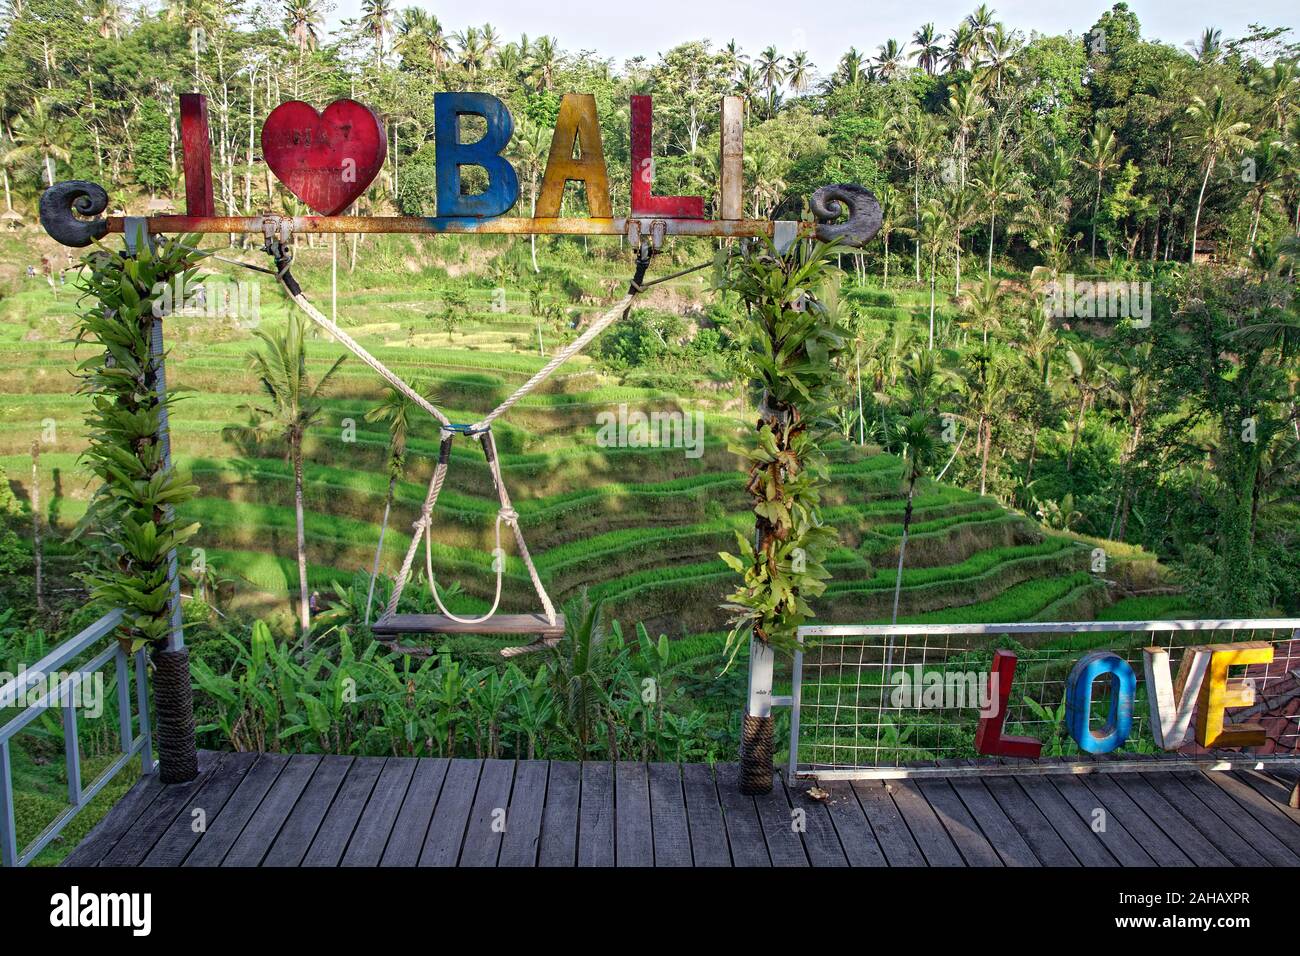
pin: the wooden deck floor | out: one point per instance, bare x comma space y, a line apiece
303, 810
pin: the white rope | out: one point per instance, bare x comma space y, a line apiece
355, 348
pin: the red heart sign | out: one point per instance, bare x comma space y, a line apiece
325, 159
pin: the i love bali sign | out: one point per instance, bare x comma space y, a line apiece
1191, 706
328, 158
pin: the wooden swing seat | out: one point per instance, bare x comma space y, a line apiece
396, 624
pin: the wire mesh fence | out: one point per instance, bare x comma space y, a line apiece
874, 697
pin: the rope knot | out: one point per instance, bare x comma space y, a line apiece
509, 516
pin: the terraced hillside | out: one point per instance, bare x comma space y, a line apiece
639, 528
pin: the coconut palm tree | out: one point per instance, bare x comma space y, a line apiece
38, 135
291, 406
929, 51
965, 108
849, 71
546, 61
107, 18
772, 72
961, 48
1279, 85
916, 135
800, 71
1100, 155
529, 148
420, 33
748, 84
1208, 47
996, 182
981, 23
377, 21
889, 58
933, 234
302, 21
1000, 49
1216, 131
1270, 164
1090, 378
395, 409
983, 308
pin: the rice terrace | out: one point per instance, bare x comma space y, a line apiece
423, 447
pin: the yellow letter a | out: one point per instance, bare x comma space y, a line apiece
577, 120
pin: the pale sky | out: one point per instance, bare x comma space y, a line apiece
825, 28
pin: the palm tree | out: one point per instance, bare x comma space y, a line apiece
1101, 155
302, 20
928, 51
1208, 47
932, 235
1278, 85
420, 32
916, 136
985, 384
849, 71
772, 71
291, 407
39, 135
965, 107
748, 83
800, 71
732, 58
981, 23
529, 148
395, 408
961, 47
1134, 389
889, 57
959, 211
1089, 376
1000, 49
377, 20
995, 182
984, 307
546, 61
107, 18
1216, 132
1270, 162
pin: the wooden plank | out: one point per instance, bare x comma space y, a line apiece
296, 836
820, 841
1121, 844
256, 839
559, 842
927, 829
962, 828
744, 831
1149, 835
446, 834
371, 836
994, 823
887, 824
524, 818
1260, 807
489, 819
596, 815
633, 837
1078, 836
1172, 823
731, 180
196, 147
1259, 836
1172, 787
104, 835
1274, 791
669, 825
239, 809
1029, 820
181, 837
136, 843
784, 845
851, 826
704, 817
336, 829
407, 837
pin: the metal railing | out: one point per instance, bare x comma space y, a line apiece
62, 693
881, 701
